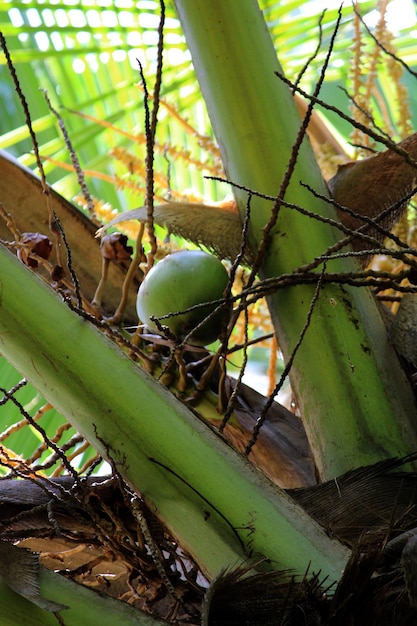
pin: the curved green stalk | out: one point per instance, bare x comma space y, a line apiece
85, 606
353, 395
217, 505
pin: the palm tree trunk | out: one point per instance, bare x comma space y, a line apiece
354, 397
218, 506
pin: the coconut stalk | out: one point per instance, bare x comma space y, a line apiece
85, 606
354, 397
215, 503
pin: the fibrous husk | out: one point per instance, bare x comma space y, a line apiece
376, 185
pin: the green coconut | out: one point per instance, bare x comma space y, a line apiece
182, 280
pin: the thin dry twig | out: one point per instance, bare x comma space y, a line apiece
316, 51
263, 414
54, 224
365, 129
293, 159
89, 202
48, 442
151, 119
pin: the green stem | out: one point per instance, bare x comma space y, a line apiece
216, 504
85, 606
354, 397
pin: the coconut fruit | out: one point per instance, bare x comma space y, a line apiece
182, 280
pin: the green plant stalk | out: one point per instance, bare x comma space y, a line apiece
85, 606
216, 504
356, 402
